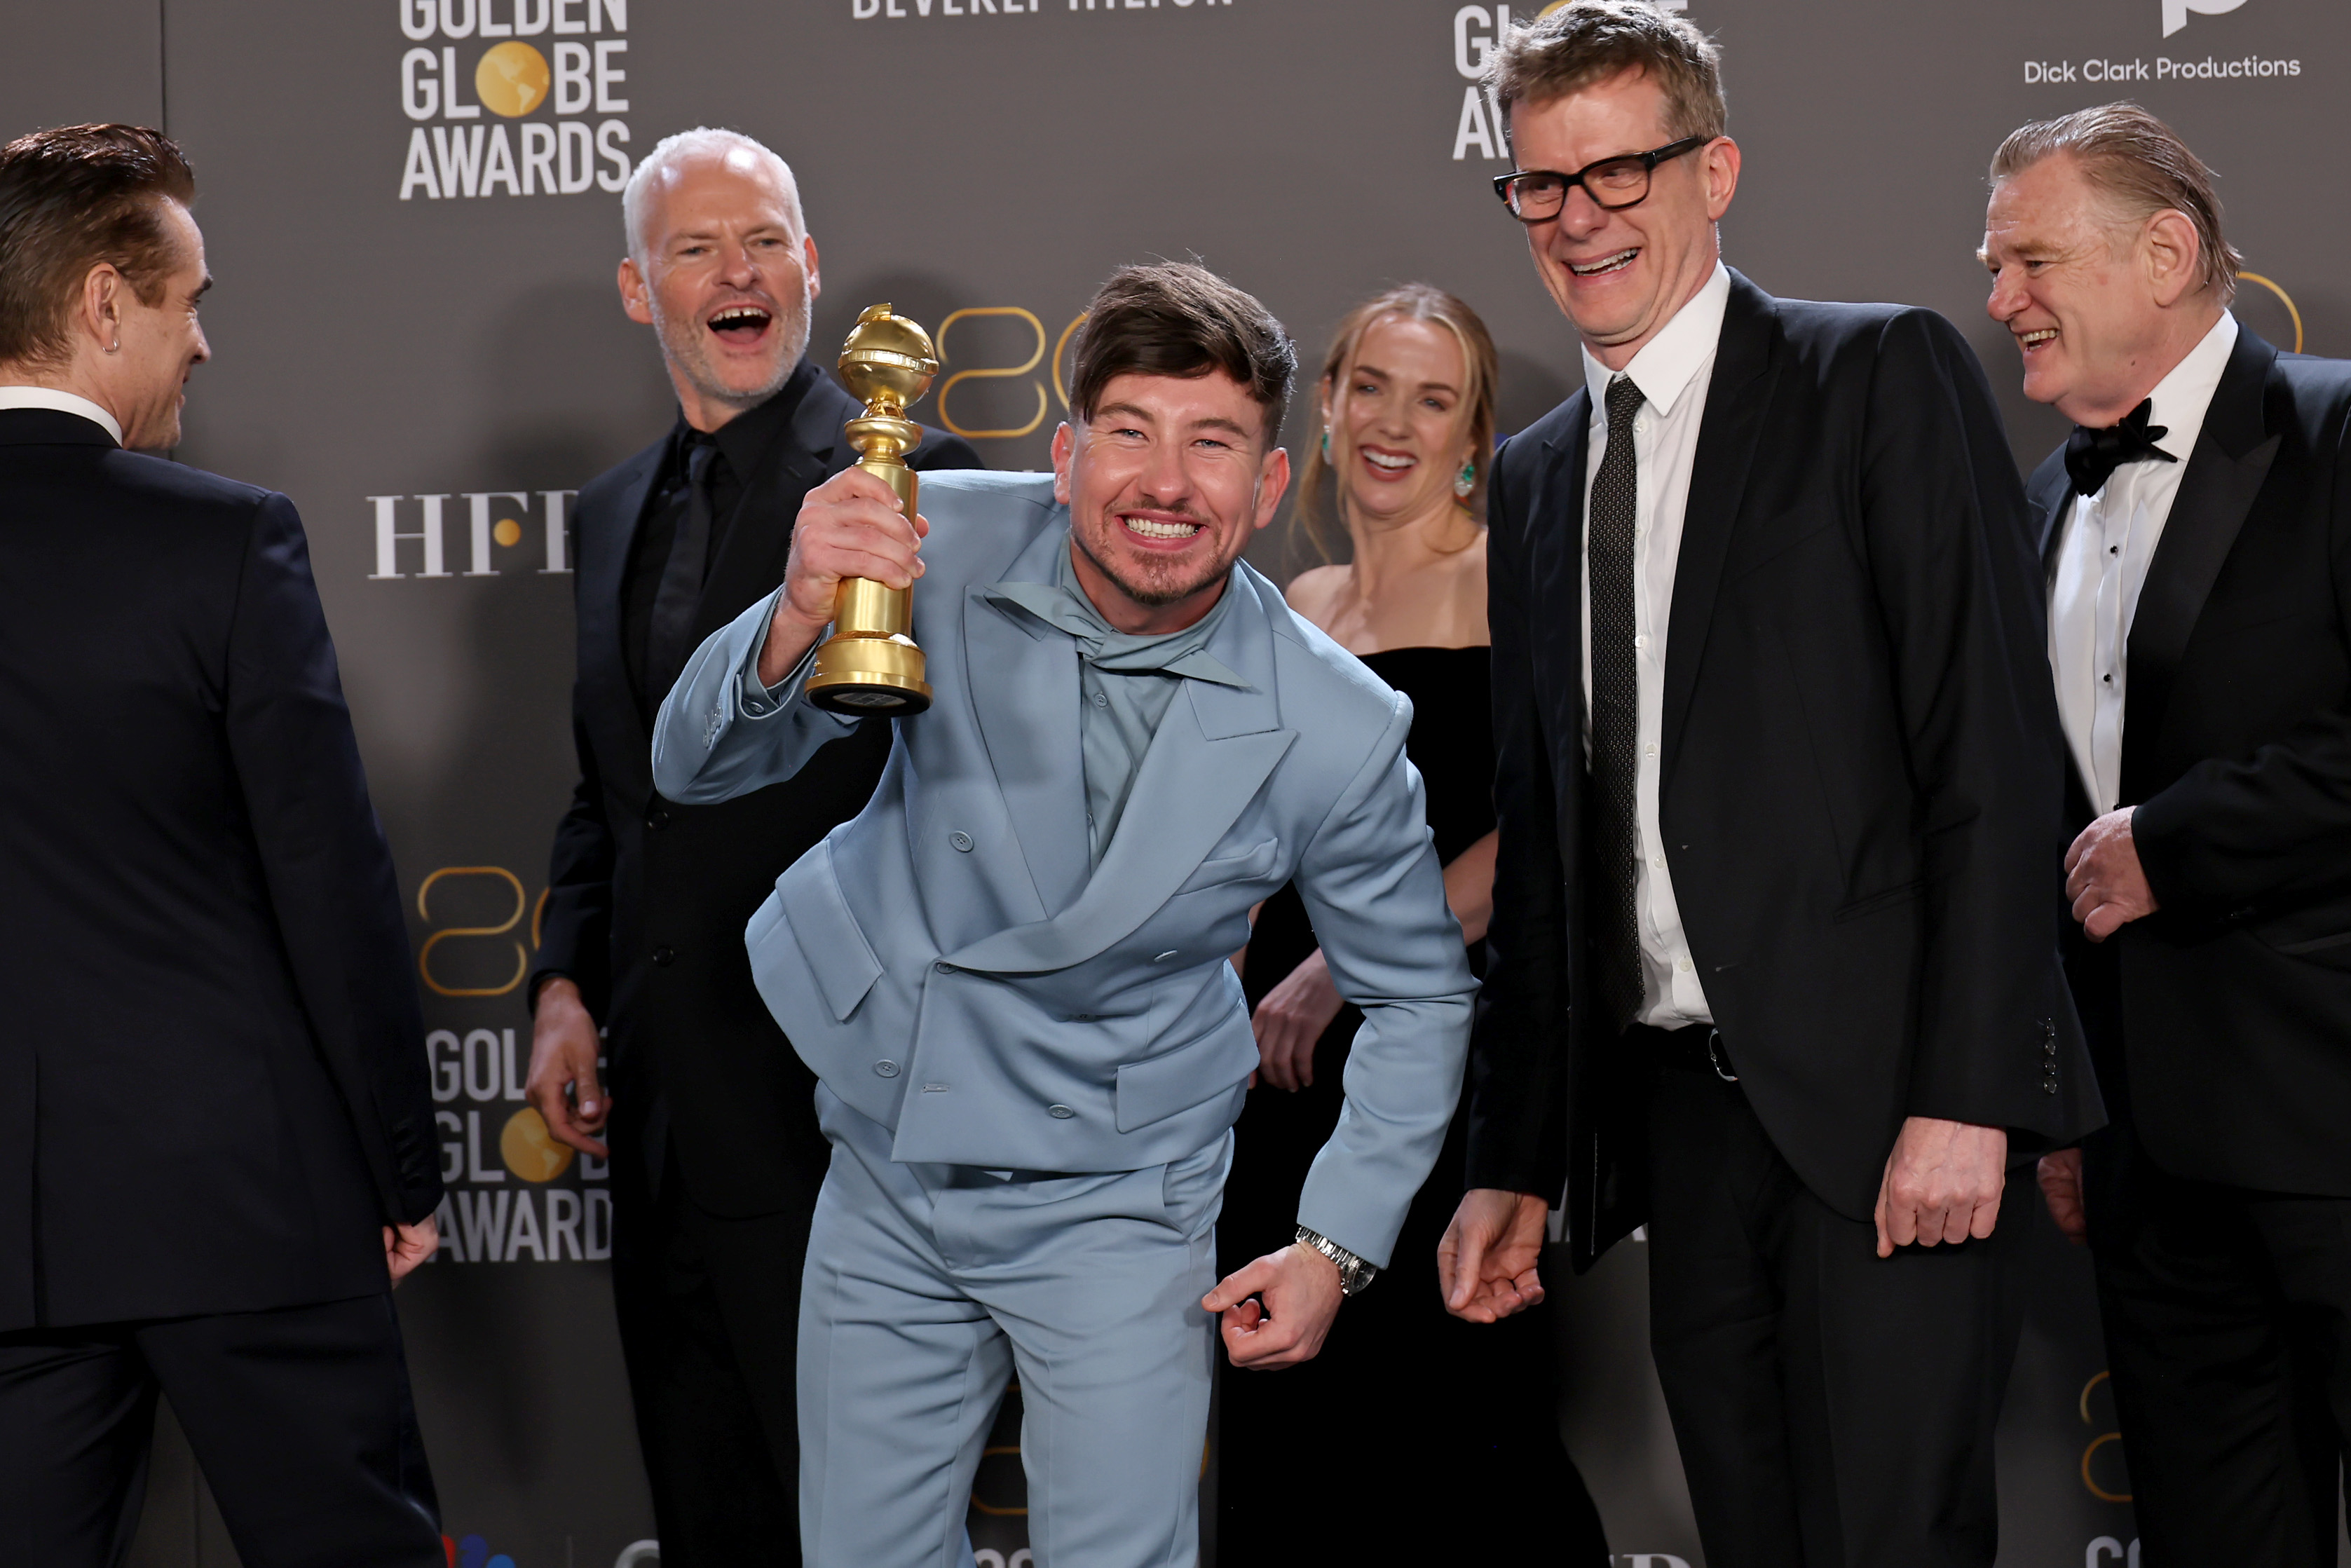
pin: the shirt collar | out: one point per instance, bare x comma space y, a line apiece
1062, 604
1669, 361
2183, 398
62, 403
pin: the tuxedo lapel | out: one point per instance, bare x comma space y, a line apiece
2224, 475
1024, 686
1207, 761
1736, 401
2050, 494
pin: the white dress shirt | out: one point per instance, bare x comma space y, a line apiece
64, 403
1673, 371
2101, 565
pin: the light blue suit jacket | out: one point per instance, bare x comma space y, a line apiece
948, 966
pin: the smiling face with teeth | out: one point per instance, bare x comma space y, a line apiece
1620, 275
2101, 309
1399, 431
1165, 483
726, 279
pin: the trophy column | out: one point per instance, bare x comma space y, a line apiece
870, 667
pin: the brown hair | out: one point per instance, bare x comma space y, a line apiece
2141, 166
1586, 42
71, 199
1480, 371
1176, 319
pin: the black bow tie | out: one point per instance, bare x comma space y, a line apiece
2092, 455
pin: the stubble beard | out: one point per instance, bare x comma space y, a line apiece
682, 347
1162, 587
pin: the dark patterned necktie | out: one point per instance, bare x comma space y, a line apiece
2092, 455
1616, 709
680, 594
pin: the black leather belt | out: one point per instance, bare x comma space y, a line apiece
1694, 1048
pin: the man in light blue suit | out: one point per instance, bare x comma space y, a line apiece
1011, 972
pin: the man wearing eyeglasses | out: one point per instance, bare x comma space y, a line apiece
1774, 944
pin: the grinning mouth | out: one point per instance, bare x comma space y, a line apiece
740, 323
1151, 528
1390, 463
1607, 264
2035, 338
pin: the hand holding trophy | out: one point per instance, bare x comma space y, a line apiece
870, 667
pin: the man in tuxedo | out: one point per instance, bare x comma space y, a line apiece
720, 1154
2196, 533
216, 1149
1774, 965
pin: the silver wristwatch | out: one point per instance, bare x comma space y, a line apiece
1355, 1274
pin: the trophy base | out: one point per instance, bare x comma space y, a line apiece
869, 678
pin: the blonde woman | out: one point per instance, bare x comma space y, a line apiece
1404, 432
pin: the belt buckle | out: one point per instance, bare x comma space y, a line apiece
1714, 1057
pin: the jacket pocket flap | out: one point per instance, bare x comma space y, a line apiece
837, 951
1192, 1073
1255, 860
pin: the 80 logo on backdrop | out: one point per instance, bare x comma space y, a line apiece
471, 57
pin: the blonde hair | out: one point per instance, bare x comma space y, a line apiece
1413, 302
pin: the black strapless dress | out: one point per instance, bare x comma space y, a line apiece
1409, 1416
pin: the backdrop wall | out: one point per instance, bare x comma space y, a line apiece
411, 210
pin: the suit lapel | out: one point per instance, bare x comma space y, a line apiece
2225, 473
758, 542
1211, 756
608, 536
2050, 494
1736, 400
1024, 687
1554, 557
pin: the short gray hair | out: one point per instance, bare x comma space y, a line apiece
2139, 167
700, 141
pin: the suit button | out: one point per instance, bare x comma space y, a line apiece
657, 818
1059, 1113
944, 969
665, 957
885, 1069
961, 841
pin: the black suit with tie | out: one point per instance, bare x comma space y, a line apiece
211, 1096
717, 1150
1859, 800
2220, 1203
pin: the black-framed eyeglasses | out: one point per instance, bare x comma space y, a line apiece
1538, 195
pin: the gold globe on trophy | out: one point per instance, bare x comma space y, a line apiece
870, 667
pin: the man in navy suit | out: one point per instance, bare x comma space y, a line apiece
717, 1156
217, 1148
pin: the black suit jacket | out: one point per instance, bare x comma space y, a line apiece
2235, 996
212, 1088
1859, 793
648, 898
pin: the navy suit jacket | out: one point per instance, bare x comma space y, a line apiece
212, 1088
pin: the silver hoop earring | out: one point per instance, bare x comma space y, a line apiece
115, 347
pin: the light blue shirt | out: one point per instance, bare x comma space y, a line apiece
1125, 684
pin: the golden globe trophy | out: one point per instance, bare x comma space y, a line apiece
870, 667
